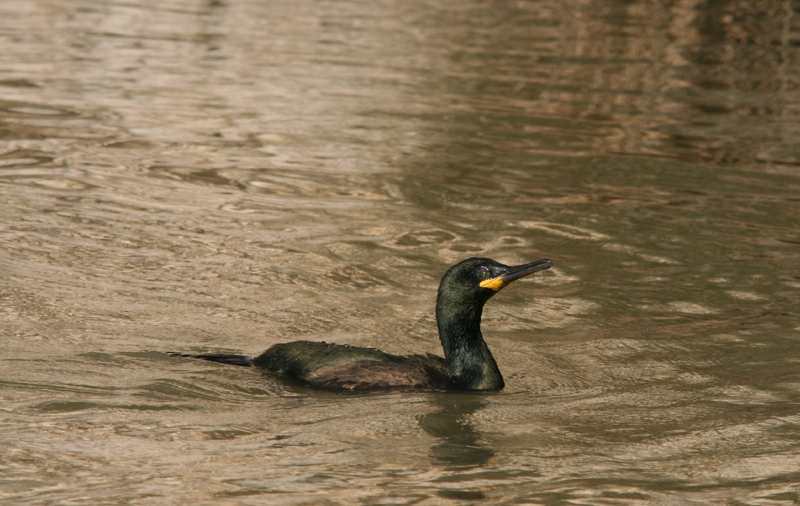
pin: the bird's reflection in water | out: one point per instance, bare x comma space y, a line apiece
460, 444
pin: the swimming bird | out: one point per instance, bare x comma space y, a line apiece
467, 364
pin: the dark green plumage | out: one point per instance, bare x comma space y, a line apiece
468, 363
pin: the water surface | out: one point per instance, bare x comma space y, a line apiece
222, 176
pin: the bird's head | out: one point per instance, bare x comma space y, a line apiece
476, 280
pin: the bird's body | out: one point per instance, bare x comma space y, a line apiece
468, 363
337, 366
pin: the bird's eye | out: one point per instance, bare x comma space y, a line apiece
485, 275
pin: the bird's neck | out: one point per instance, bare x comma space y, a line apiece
472, 366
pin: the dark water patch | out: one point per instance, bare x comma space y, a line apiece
18, 83
133, 144
227, 434
197, 176
66, 406
462, 495
23, 158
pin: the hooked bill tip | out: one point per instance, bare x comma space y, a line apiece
516, 272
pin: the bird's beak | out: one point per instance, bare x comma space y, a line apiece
514, 273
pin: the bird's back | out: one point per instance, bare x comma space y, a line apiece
335, 366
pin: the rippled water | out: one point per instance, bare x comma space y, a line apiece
225, 175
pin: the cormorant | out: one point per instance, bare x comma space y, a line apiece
467, 364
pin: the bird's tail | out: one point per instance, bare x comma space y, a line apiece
241, 360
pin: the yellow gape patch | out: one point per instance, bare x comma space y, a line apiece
493, 284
